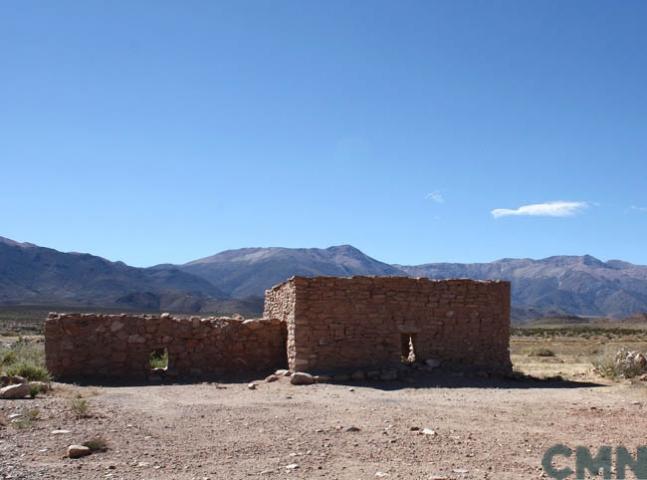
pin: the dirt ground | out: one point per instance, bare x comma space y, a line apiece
482, 428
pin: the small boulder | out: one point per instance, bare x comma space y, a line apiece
302, 378
282, 373
252, 386
78, 451
271, 378
20, 390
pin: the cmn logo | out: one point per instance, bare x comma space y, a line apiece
598, 465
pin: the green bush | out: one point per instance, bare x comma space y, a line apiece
26, 359
29, 371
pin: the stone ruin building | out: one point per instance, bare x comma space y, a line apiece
316, 325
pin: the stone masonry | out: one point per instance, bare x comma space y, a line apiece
119, 346
372, 322
318, 325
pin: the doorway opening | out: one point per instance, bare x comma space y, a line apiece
408, 348
158, 359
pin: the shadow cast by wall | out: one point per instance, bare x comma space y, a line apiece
419, 380
452, 379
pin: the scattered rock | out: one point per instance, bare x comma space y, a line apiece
252, 386
60, 432
78, 451
414, 429
322, 379
351, 389
381, 474
302, 378
428, 431
282, 372
20, 390
271, 378
352, 429
292, 466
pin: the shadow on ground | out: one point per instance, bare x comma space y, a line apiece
459, 380
417, 380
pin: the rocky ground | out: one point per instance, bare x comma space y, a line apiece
439, 427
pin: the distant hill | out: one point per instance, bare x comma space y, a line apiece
249, 271
235, 280
580, 285
32, 275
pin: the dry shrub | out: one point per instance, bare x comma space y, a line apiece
623, 363
541, 352
97, 444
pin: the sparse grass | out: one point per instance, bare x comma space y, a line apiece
96, 444
605, 365
27, 420
158, 359
80, 407
33, 414
33, 391
25, 358
21, 423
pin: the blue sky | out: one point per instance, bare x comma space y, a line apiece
418, 131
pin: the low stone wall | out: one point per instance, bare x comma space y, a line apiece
368, 322
119, 346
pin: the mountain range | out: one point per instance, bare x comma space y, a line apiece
234, 280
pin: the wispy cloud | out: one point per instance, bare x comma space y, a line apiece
435, 196
548, 209
639, 209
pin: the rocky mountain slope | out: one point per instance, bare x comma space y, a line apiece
32, 275
581, 285
234, 280
249, 271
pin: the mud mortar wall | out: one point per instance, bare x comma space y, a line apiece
344, 323
119, 346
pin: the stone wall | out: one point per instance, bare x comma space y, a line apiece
119, 346
346, 323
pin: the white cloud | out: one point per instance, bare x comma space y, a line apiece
548, 209
639, 209
436, 197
